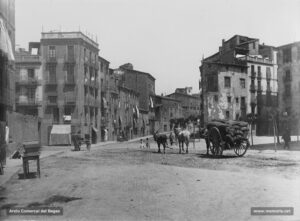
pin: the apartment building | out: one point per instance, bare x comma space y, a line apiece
71, 83
190, 102
289, 82
241, 78
28, 78
144, 84
167, 108
105, 94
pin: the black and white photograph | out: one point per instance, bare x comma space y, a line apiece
141, 110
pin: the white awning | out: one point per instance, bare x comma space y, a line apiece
5, 42
61, 129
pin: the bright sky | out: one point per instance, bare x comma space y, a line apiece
166, 38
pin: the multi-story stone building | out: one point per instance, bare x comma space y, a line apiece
128, 112
231, 89
120, 108
289, 82
7, 45
167, 108
71, 83
105, 94
144, 84
28, 78
190, 102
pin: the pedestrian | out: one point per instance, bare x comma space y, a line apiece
287, 138
147, 143
142, 146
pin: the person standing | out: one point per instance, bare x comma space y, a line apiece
286, 138
147, 143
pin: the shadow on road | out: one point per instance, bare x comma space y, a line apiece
216, 157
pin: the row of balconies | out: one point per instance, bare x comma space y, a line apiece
26, 101
72, 60
259, 75
92, 82
31, 81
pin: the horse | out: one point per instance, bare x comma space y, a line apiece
183, 137
160, 139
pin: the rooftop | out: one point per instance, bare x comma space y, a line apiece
68, 35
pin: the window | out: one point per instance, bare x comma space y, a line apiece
71, 52
30, 73
52, 73
227, 82
52, 99
227, 114
252, 69
253, 45
288, 75
216, 98
31, 93
268, 73
237, 100
52, 52
229, 99
258, 69
212, 83
259, 85
268, 86
243, 103
287, 55
237, 116
243, 83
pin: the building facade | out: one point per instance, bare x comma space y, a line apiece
238, 80
28, 78
105, 94
144, 84
289, 82
190, 102
71, 83
167, 108
7, 45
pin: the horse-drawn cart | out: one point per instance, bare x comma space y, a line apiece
78, 140
225, 135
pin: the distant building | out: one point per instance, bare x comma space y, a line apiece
71, 83
28, 78
289, 82
238, 80
144, 84
105, 94
129, 113
166, 108
7, 45
190, 102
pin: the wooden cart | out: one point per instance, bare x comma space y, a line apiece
78, 140
225, 135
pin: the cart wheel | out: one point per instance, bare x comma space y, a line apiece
241, 147
215, 142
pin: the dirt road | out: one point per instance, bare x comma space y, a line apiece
124, 182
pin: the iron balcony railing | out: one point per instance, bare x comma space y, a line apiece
28, 81
70, 100
28, 102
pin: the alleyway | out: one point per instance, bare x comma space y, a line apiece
120, 181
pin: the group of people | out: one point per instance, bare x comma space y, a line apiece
144, 144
